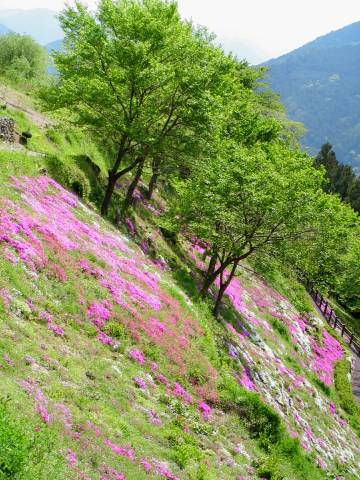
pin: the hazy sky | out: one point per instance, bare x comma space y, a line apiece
268, 27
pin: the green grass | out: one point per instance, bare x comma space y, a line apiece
344, 391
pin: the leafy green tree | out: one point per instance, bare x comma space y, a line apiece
21, 58
243, 201
348, 277
136, 75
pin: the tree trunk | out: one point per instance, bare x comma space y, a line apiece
224, 286
112, 179
129, 199
208, 280
154, 178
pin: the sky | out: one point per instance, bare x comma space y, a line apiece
264, 28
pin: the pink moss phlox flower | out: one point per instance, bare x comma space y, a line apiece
140, 382
205, 410
137, 356
130, 226
154, 366
332, 408
5, 296
105, 339
154, 418
71, 457
158, 327
179, 391
111, 473
43, 412
245, 380
60, 332
322, 464
162, 471
162, 379
146, 465
126, 452
100, 313
65, 413
144, 247
160, 263
8, 360
325, 357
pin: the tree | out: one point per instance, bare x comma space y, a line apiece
137, 75
243, 201
21, 58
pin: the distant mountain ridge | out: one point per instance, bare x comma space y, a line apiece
4, 30
41, 23
319, 85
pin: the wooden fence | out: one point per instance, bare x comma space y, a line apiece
334, 321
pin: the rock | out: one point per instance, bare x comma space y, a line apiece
7, 130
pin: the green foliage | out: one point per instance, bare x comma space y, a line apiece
281, 328
344, 390
70, 176
14, 445
24, 451
115, 330
21, 58
262, 422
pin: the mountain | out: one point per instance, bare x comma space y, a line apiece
319, 85
56, 45
40, 23
4, 30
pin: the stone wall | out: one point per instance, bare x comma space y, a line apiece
7, 130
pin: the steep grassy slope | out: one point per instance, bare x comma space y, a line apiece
112, 368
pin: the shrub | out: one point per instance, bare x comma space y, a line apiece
262, 422
343, 387
69, 176
115, 330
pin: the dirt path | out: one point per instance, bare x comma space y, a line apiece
19, 101
356, 378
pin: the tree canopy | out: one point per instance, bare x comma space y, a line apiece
21, 58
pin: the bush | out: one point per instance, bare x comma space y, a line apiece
262, 422
69, 176
344, 389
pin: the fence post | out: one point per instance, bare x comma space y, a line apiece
343, 330
351, 339
335, 321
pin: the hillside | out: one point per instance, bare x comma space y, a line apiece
319, 86
121, 371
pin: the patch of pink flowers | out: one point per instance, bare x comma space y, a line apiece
126, 452
245, 380
137, 356
140, 382
179, 391
205, 410
325, 357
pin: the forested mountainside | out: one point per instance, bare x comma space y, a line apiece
318, 84
158, 223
